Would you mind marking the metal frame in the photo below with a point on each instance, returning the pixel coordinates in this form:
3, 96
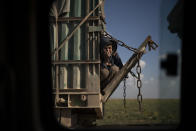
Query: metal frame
91, 64
65, 62
72, 19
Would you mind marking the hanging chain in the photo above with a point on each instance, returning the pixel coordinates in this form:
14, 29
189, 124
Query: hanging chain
124, 93
139, 82
152, 45
121, 43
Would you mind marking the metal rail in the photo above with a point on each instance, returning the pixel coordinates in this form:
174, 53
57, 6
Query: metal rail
72, 19
65, 62
78, 93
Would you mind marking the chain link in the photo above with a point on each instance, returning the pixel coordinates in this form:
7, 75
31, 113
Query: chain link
139, 84
121, 43
124, 93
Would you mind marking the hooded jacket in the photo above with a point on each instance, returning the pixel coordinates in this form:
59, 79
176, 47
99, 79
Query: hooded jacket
114, 59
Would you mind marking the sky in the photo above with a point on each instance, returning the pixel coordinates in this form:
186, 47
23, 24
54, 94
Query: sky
131, 21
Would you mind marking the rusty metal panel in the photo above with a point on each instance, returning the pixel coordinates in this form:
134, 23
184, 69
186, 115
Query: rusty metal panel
93, 100
77, 100
76, 48
78, 60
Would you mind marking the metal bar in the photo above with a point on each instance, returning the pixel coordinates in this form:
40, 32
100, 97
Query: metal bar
78, 93
76, 46
87, 46
77, 27
98, 45
93, 107
57, 67
75, 62
70, 19
71, 90
93, 49
93, 40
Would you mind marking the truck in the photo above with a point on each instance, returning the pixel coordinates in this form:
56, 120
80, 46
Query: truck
75, 30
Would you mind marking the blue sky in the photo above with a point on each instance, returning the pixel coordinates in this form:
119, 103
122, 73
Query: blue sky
131, 21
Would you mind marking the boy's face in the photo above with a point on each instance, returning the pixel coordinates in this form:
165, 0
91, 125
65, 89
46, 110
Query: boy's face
107, 50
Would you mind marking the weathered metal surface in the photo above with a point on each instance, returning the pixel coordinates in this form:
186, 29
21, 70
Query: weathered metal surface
77, 27
81, 93
95, 28
87, 44
65, 62
75, 56
79, 107
72, 19
57, 67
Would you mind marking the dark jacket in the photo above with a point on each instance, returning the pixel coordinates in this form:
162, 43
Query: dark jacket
114, 59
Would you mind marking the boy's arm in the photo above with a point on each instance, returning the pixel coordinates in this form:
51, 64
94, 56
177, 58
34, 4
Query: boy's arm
117, 60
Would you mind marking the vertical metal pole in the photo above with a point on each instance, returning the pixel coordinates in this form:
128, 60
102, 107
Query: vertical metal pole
98, 46
66, 57
64, 51
87, 46
93, 39
76, 45
57, 66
